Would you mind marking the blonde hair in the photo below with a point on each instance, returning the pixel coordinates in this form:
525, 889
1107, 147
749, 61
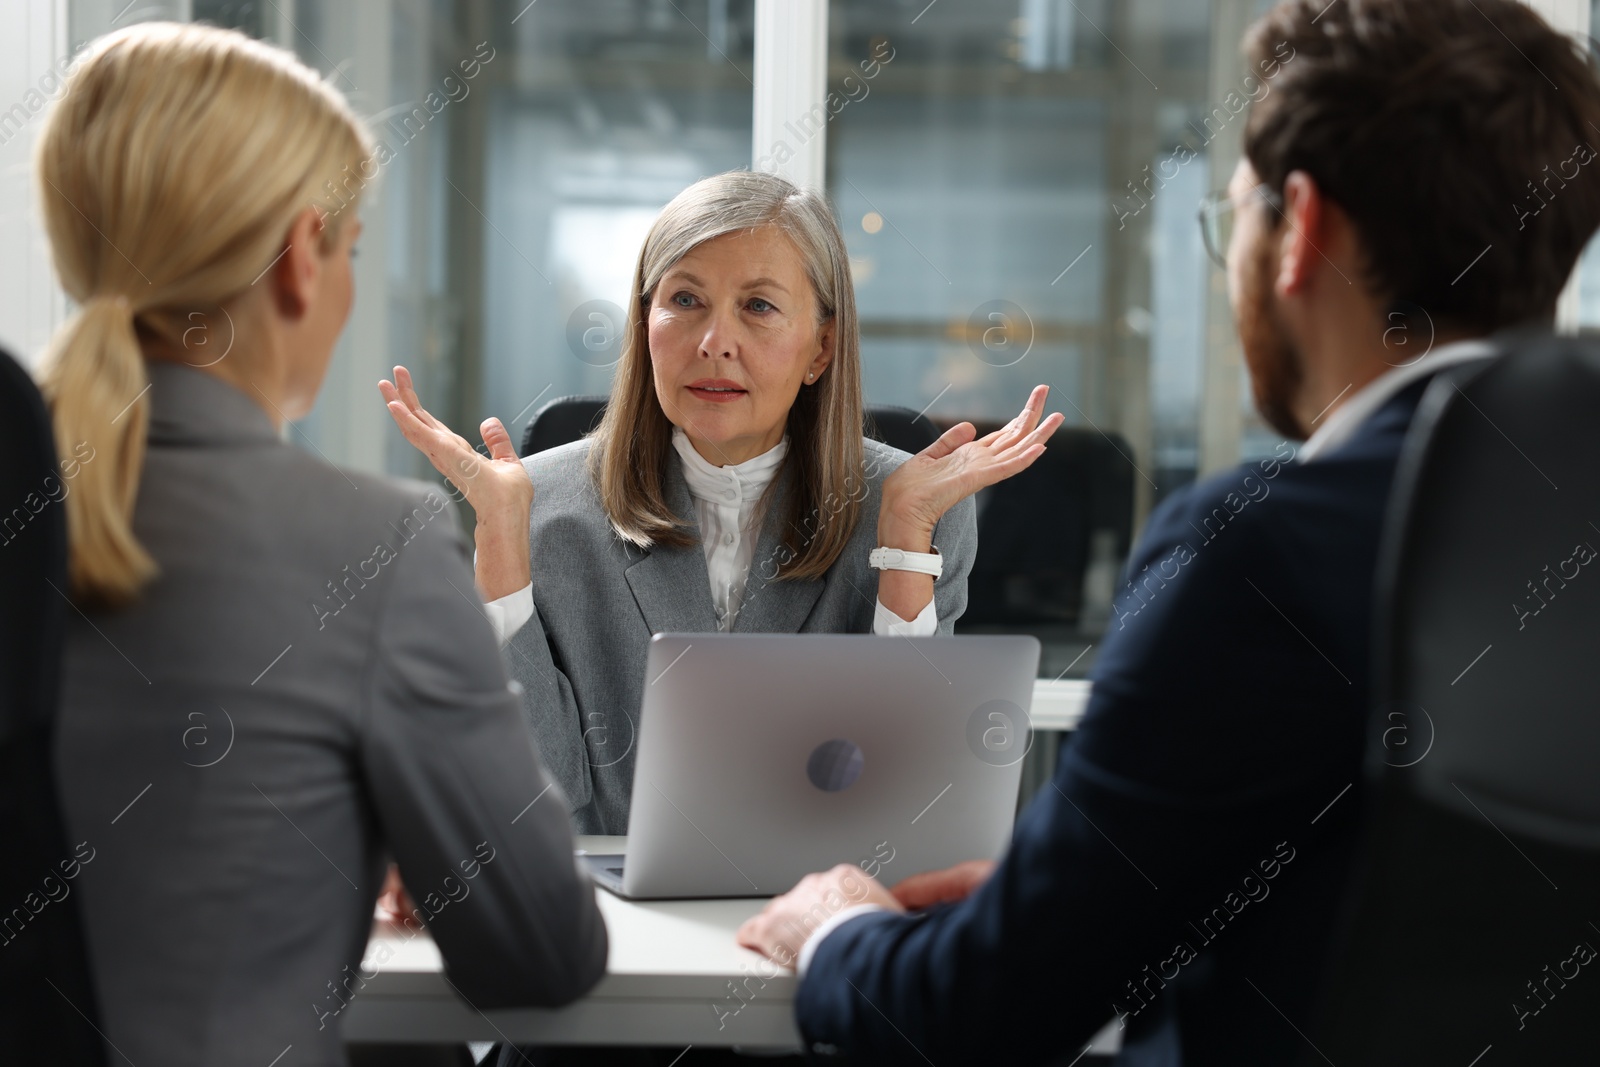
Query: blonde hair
169, 172
633, 443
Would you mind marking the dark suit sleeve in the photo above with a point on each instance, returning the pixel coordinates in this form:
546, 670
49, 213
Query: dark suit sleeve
478, 828
1180, 782
956, 538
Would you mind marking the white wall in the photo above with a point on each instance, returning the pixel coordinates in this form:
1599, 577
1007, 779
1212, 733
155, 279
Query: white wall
33, 42
1569, 16
791, 66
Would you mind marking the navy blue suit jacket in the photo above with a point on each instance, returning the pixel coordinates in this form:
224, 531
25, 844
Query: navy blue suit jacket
1181, 872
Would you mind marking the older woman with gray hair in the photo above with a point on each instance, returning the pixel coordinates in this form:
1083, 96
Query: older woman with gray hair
728, 487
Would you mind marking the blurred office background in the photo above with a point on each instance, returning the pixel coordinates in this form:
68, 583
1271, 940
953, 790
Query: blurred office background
1017, 181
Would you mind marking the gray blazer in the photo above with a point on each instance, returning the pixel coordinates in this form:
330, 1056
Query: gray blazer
597, 601
308, 686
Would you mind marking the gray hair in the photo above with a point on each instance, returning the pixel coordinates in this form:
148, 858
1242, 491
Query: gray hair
633, 441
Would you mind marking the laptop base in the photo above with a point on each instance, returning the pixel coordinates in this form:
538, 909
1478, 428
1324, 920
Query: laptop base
605, 869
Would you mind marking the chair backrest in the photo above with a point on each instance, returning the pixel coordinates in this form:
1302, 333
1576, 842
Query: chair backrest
899, 427
1039, 530
40, 939
561, 421
567, 418
1473, 907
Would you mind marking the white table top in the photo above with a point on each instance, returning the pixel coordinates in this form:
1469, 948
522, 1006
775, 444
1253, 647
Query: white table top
669, 979
674, 976
1059, 704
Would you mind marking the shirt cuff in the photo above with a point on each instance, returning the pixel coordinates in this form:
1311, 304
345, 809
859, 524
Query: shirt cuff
886, 623
832, 923
510, 613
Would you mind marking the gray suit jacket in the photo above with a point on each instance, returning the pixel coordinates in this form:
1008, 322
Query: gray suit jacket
598, 600
309, 685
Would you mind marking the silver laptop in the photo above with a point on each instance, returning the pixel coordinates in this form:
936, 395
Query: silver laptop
764, 757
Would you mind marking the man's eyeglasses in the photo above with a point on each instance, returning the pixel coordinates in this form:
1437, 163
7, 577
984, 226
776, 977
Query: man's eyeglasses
1216, 220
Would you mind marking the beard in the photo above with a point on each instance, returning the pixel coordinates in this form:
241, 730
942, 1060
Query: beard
1275, 366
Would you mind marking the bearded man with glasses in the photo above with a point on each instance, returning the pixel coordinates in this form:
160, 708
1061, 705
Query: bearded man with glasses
1181, 872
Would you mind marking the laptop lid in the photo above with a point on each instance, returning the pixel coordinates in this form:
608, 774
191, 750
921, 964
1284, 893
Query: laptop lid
764, 757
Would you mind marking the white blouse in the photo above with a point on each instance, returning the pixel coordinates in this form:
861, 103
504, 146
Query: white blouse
725, 501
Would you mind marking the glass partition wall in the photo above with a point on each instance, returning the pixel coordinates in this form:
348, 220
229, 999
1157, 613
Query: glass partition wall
1018, 187
1017, 181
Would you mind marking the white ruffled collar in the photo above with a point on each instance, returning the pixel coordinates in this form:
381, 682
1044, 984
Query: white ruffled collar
737, 482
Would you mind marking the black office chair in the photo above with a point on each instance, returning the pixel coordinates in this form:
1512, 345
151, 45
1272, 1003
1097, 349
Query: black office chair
561, 421
47, 1006
900, 428
1480, 872
568, 418
1037, 531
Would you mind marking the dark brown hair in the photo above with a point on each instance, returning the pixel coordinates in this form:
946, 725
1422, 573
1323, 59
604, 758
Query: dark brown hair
1441, 127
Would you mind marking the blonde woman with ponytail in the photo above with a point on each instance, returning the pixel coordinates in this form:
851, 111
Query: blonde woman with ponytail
275, 680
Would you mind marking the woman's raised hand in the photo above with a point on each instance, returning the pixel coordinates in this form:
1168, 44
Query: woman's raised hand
955, 466
496, 485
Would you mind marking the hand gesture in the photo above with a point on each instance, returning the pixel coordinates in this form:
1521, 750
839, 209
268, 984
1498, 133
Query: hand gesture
955, 466
497, 486
491, 483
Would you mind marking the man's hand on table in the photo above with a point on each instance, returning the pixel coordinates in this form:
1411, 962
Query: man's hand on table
784, 925
948, 886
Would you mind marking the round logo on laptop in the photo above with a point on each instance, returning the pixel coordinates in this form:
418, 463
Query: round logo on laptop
999, 733
835, 765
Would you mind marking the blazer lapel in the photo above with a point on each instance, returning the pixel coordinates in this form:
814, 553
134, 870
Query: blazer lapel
671, 585
771, 606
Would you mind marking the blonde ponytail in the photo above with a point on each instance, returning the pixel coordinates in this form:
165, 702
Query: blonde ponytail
96, 383
169, 173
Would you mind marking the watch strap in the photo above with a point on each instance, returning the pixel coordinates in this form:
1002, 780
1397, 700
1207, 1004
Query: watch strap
898, 559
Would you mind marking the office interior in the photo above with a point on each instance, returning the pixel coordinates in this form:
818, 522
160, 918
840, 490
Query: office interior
1017, 188
1016, 181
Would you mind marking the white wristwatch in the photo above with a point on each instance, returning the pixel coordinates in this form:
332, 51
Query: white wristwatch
898, 559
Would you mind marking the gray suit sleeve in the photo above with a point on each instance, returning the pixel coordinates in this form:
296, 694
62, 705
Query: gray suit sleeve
479, 830
551, 710
956, 538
